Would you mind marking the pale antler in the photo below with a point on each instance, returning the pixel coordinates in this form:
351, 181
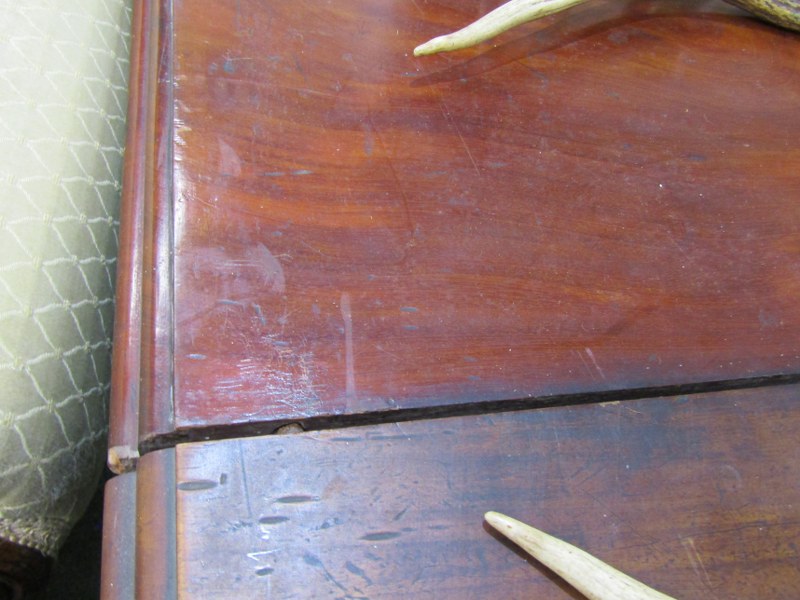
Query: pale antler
592, 577
501, 19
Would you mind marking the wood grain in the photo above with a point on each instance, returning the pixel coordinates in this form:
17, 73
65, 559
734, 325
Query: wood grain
606, 200
696, 496
584, 207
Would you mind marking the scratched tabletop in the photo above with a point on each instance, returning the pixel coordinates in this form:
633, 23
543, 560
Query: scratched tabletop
695, 495
603, 201
556, 276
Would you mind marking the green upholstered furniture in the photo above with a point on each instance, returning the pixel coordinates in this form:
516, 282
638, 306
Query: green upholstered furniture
63, 101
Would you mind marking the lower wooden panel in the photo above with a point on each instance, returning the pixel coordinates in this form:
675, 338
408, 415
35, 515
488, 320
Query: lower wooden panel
155, 526
697, 496
119, 539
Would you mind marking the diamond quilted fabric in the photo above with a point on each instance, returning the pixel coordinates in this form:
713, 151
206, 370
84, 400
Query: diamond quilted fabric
63, 100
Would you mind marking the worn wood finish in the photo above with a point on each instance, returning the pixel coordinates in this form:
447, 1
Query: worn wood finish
696, 496
607, 200
156, 532
118, 572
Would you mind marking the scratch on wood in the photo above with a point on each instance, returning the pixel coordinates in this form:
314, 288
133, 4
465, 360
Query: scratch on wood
381, 536
449, 119
696, 560
315, 562
347, 316
590, 354
358, 571
245, 487
297, 499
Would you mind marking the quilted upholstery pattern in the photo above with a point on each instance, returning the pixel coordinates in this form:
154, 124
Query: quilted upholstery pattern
63, 99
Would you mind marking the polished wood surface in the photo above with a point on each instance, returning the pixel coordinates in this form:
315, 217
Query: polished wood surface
606, 200
694, 495
123, 441
323, 229
158, 286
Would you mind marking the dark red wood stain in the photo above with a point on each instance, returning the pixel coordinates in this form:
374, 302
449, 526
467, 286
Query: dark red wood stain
321, 228
696, 496
601, 201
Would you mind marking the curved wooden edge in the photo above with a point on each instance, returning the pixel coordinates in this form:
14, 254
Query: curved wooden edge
156, 402
155, 527
117, 572
124, 425
142, 365
139, 535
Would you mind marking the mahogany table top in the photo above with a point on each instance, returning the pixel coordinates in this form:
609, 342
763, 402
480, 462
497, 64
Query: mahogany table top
333, 229
443, 268
696, 496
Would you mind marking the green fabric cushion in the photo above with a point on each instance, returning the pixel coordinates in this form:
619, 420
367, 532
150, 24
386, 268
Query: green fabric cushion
63, 101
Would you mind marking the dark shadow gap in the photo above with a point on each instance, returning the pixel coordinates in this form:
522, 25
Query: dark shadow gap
221, 432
